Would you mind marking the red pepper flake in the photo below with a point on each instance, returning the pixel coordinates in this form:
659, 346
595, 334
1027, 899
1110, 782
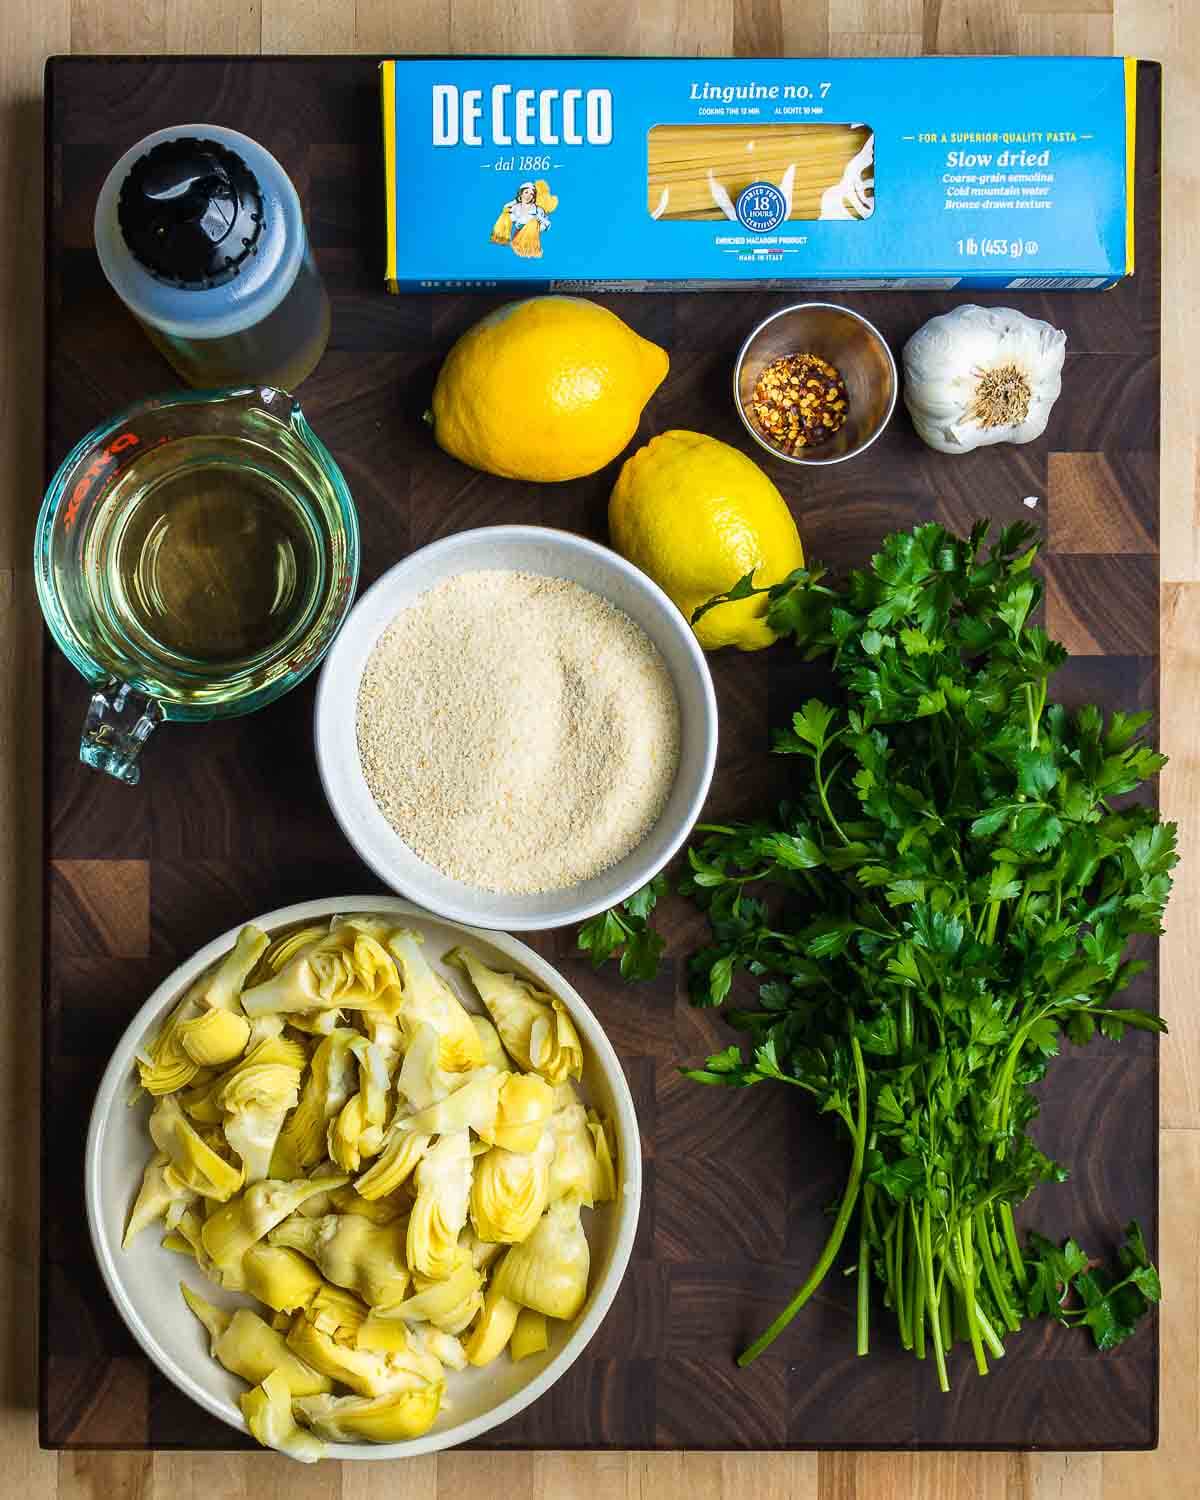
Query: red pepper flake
799, 400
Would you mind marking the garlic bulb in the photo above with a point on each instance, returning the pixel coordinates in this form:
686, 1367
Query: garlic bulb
982, 375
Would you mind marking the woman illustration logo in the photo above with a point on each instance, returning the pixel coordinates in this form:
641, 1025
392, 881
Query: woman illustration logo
522, 220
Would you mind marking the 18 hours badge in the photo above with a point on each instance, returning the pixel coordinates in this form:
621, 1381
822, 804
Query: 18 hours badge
761, 207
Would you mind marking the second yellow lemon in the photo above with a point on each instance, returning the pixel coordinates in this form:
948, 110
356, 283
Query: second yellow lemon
551, 388
697, 515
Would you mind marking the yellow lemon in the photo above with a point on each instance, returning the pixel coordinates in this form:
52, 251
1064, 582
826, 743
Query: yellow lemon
696, 515
552, 388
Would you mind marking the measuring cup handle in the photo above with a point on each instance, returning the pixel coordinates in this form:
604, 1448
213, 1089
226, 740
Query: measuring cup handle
119, 722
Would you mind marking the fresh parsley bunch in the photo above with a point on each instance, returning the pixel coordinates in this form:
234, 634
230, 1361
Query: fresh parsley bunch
952, 889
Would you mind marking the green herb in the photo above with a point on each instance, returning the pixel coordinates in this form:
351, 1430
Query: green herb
1064, 1284
627, 929
950, 893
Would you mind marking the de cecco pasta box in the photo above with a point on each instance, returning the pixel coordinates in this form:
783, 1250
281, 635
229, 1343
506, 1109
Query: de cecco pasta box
658, 174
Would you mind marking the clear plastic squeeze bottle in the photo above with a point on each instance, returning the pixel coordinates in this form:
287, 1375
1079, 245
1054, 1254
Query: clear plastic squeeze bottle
200, 233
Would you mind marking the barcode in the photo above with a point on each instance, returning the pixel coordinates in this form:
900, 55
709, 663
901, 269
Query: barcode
1058, 283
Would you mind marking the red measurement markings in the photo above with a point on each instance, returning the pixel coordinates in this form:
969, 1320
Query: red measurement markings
99, 464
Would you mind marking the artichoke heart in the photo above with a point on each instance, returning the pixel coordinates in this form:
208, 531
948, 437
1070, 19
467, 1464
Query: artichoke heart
510, 1192
482, 1252
255, 1102
402, 1151
382, 1335
358, 1129
494, 1055
268, 1413
530, 1336
229, 1233
365, 1372
221, 988
382, 1210
279, 1277
427, 999
328, 1085
450, 1304
387, 1419
202, 1103
387, 1037
475, 1105
440, 1212
187, 1232
427, 1339
194, 1163
161, 1188
345, 970
315, 1022
549, 1271
389, 1335
601, 1131
164, 1067
288, 944
214, 1037
534, 1025
343, 1136
493, 1329
353, 1253
337, 1312
422, 1079
248, 1347
582, 1162
526, 1103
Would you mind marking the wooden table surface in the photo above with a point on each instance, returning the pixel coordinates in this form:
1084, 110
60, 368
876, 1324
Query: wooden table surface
1168, 30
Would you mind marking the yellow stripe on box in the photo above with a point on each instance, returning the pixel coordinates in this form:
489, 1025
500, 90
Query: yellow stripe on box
1131, 65
388, 92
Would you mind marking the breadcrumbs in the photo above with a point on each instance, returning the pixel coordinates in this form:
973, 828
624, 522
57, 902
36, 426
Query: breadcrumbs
520, 733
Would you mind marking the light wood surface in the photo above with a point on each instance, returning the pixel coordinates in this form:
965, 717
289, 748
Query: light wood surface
1168, 30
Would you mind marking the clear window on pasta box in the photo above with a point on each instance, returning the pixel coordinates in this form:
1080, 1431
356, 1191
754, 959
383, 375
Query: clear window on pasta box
760, 175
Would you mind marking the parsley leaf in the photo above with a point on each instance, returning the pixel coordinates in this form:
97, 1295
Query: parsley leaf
626, 930
1066, 1285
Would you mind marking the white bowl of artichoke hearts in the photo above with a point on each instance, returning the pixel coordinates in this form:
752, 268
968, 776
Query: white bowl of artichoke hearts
361, 1181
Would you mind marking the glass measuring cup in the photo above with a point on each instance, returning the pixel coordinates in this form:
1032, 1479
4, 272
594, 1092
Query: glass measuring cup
195, 557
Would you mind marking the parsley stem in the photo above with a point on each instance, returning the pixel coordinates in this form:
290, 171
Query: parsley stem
966, 1260
932, 1300
983, 1233
906, 1025
822, 784
945, 1312
834, 1243
1012, 1245
899, 1288
863, 1306
916, 1299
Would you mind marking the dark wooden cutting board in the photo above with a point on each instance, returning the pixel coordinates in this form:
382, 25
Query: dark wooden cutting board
230, 821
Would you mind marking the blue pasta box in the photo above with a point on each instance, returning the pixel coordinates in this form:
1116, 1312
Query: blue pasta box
608, 174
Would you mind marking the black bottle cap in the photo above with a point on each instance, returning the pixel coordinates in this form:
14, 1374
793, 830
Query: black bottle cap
191, 212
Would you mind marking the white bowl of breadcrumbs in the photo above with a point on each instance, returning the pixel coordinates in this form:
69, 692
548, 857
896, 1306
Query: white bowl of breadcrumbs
516, 728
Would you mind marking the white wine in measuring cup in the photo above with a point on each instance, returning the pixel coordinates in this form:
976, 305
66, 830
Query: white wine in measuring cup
195, 558
199, 558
